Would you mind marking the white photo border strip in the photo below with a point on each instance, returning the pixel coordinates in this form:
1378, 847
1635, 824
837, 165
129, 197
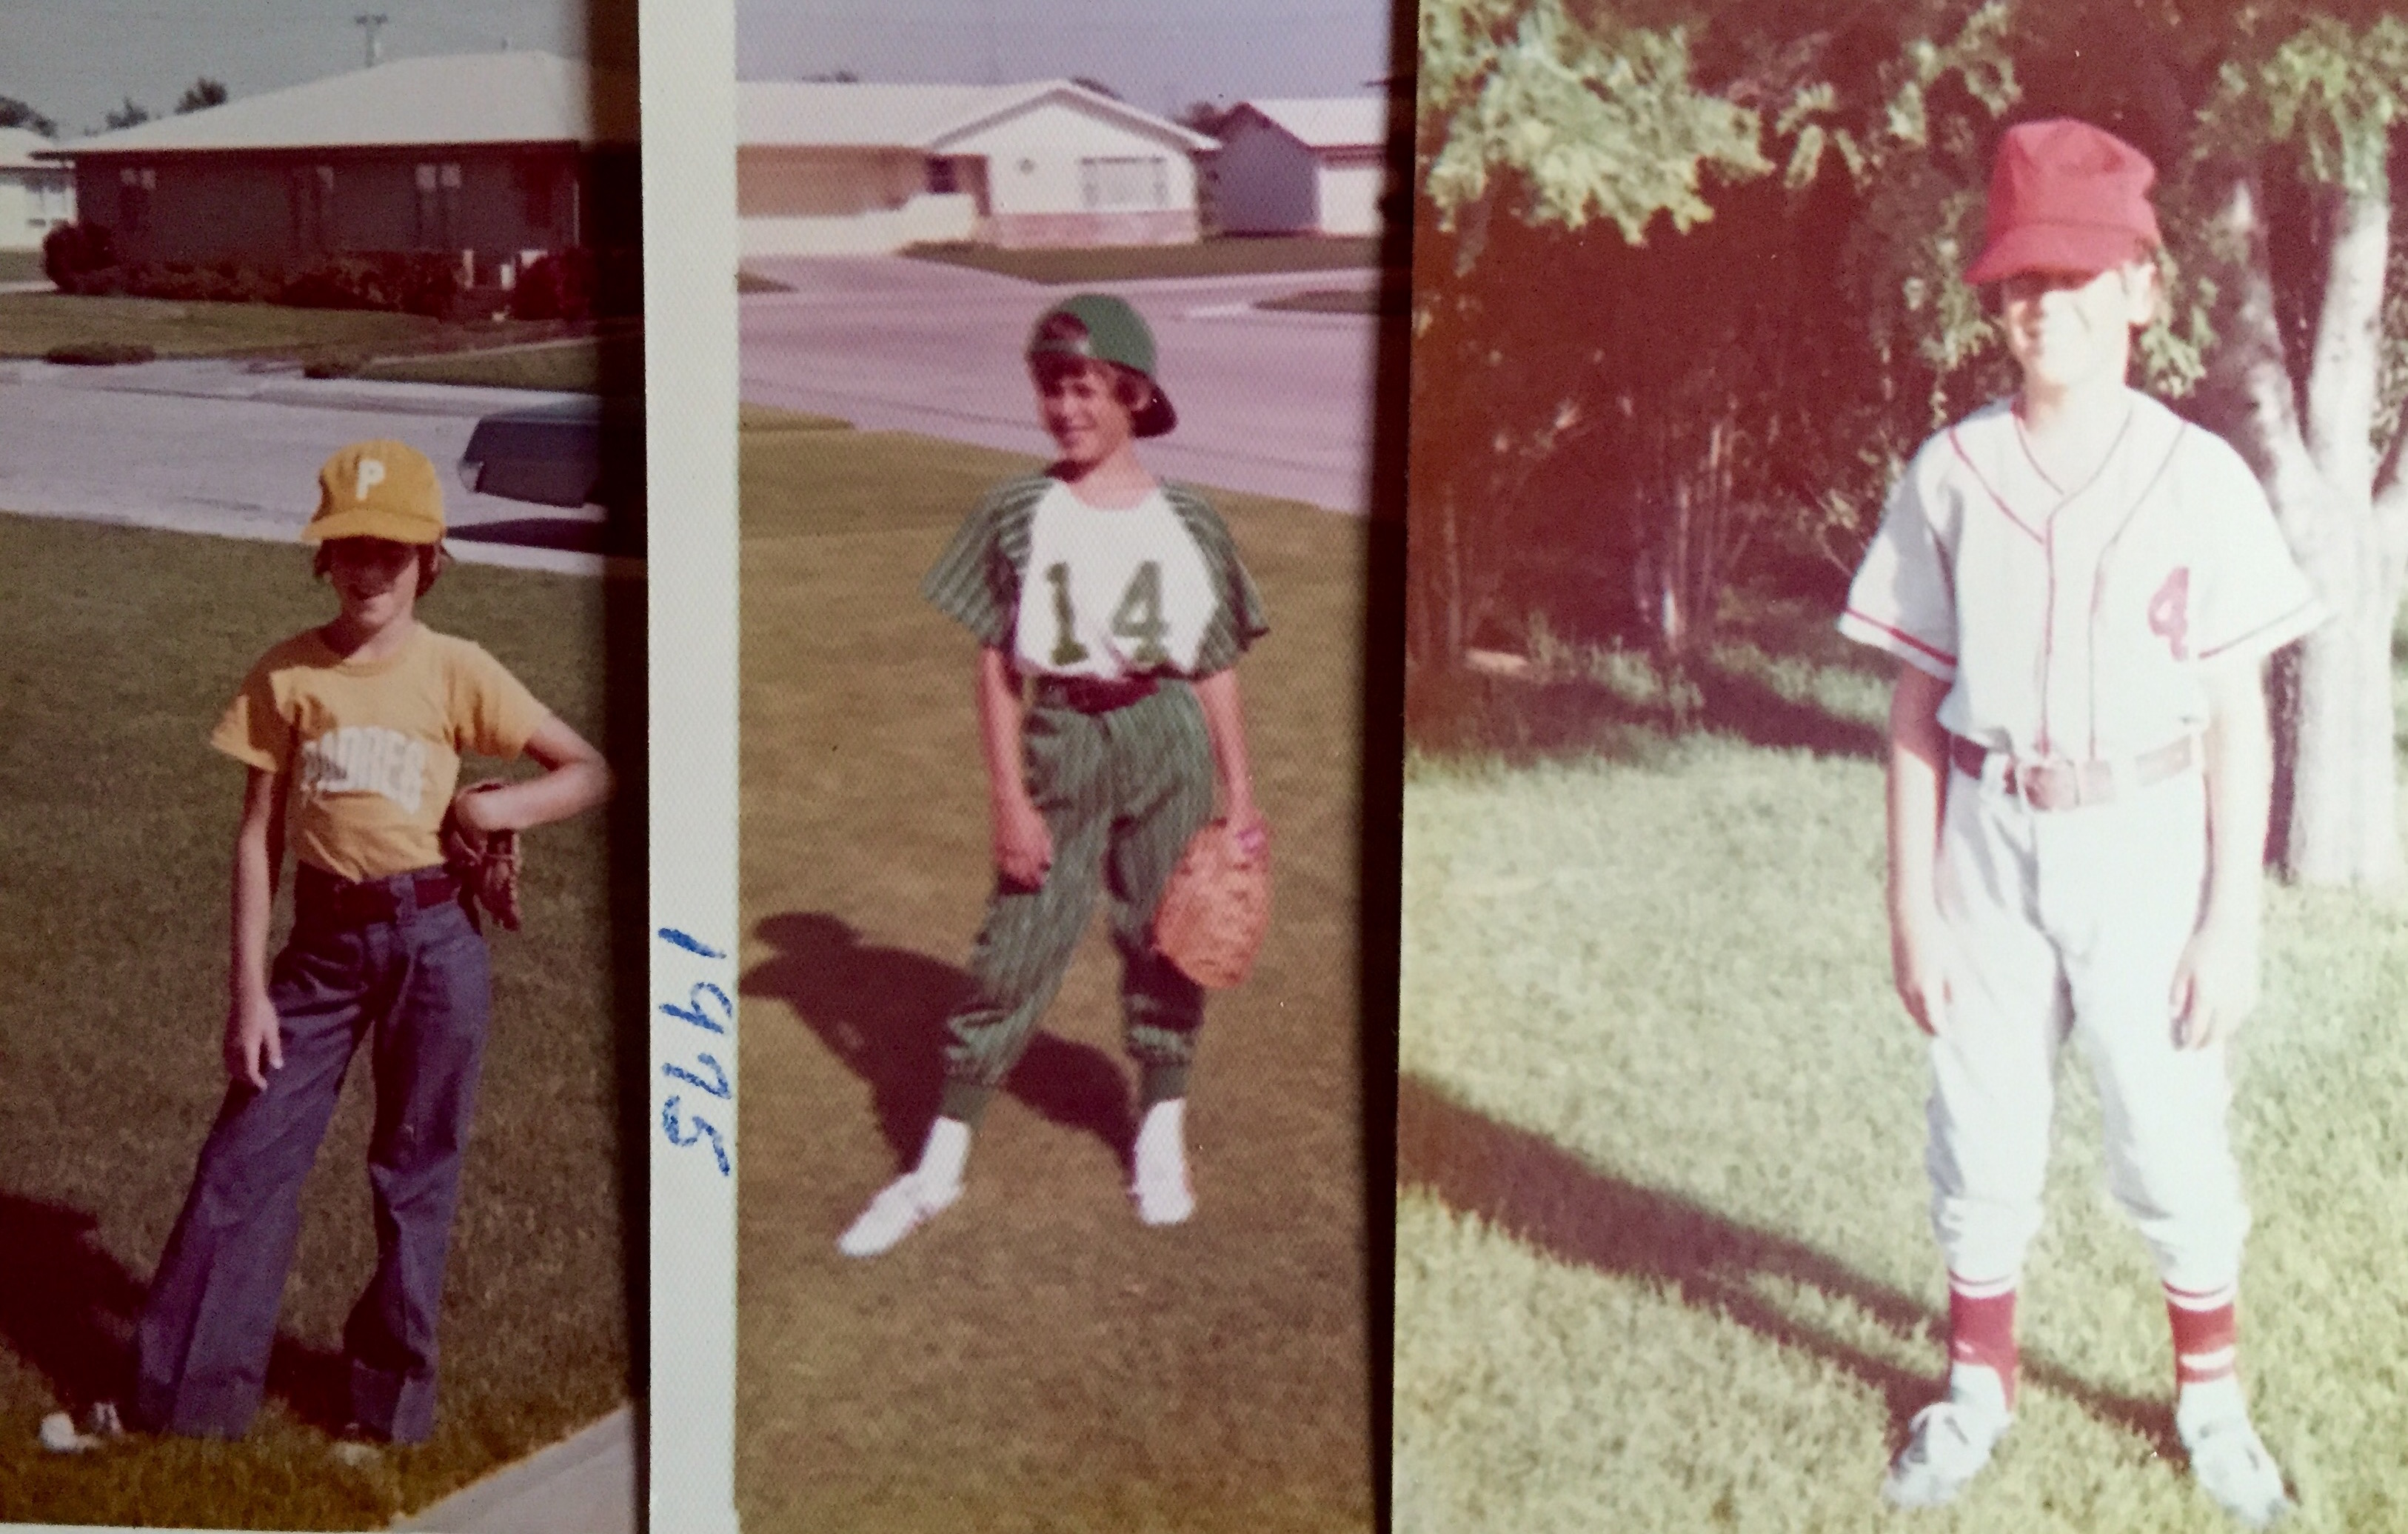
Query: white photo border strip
688, 59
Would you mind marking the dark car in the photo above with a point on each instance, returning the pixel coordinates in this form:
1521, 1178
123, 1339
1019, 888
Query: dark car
578, 453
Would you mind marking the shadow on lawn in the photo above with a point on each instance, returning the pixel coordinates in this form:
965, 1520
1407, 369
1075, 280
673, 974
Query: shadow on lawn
1535, 1191
68, 1308
882, 1011
1523, 719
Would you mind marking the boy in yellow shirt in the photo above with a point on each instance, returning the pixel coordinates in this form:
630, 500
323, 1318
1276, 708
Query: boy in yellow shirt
352, 733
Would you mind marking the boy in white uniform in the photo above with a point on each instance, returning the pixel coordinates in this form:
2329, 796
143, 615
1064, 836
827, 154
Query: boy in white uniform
2081, 588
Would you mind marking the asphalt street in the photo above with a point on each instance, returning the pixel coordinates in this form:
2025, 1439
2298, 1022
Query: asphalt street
1275, 404
225, 447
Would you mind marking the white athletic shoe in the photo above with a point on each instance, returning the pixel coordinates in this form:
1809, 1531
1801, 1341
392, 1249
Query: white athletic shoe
2231, 1465
1946, 1446
1160, 1187
902, 1206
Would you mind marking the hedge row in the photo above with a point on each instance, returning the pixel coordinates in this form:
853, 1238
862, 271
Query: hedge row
573, 284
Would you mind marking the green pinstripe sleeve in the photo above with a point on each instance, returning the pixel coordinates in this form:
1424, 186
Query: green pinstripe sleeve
1239, 620
976, 581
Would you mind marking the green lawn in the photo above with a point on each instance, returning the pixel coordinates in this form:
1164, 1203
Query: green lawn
613, 364
331, 340
118, 648
1226, 256
1036, 1360
1662, 1244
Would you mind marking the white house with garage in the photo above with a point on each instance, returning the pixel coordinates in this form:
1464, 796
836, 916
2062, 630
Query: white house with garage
1302, 166
36, 196
830, 169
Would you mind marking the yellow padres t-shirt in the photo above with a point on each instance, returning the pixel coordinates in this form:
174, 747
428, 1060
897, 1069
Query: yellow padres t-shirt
373, 748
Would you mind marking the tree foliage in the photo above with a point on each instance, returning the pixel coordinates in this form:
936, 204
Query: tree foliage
202, 94
17, 114
129, 115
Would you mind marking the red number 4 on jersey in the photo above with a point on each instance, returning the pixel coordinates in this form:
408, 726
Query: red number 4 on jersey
2170, 612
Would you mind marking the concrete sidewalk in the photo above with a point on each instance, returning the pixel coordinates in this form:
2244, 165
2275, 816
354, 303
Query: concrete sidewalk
583, 1484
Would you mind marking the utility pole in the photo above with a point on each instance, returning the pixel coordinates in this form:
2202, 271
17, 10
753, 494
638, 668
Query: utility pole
371, 25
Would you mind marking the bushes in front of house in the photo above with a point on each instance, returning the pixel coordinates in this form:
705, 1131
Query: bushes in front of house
577, 283
401, 282
580, 283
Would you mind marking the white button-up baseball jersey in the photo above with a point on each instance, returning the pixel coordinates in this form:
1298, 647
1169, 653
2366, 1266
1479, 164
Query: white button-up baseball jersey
2074, 623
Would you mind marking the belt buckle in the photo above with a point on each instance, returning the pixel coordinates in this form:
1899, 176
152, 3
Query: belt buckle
2041, 785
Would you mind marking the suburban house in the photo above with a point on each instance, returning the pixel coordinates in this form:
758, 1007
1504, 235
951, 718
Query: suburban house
36, 196
494, 157
825, 169
1302, 166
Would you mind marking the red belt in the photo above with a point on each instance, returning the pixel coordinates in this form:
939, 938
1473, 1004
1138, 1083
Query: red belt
321, 896
2071, 785
1094, 694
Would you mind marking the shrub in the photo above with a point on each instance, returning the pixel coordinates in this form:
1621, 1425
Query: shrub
99, 354
403, 282
580, 283
72, 250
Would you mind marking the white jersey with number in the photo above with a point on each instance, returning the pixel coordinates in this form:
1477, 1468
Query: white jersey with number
2073, 621
1111, 592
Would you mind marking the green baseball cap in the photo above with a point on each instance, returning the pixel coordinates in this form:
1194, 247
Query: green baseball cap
1102, 328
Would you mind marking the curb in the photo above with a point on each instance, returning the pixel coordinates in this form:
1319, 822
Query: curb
583, 1484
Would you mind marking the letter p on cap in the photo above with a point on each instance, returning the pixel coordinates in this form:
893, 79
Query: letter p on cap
372, 474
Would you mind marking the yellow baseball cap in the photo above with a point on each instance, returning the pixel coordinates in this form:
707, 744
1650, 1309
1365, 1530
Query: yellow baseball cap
378, 489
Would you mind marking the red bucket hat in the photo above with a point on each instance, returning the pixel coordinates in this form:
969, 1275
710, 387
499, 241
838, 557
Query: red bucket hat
2065, 197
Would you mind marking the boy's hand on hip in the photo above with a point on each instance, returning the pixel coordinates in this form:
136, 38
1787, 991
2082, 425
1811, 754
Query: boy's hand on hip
1919, 968
2215, 984
1023, 847
254, 1041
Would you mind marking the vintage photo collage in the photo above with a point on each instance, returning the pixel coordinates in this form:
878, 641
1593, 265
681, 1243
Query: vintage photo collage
1034, 766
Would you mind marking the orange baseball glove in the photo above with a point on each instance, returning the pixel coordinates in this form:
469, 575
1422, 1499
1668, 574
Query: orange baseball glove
1214, 910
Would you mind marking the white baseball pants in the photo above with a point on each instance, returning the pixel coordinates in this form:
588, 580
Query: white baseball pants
2072, 922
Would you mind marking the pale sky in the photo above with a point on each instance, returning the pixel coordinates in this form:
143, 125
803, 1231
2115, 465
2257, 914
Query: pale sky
1159, 54
76, 60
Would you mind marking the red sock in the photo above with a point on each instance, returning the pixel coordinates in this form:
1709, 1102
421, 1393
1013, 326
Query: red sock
1981, 1327
2207, 1333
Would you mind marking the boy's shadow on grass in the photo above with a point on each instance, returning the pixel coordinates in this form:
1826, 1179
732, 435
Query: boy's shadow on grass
882, 1011
68, 1309
1533, 1189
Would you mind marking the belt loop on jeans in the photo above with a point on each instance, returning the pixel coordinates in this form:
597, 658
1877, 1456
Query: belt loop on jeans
2066, 785
1094, 694
334, 901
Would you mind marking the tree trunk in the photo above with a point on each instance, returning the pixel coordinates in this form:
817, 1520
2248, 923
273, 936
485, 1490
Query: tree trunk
2334, 729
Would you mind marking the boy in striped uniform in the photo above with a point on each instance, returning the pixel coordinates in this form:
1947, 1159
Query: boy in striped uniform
1124, 602
2081, 588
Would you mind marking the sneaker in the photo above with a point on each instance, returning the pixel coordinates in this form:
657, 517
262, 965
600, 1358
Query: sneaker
60, 1434
1160, 1187
2231, 1465
902, 1206
1946, 1446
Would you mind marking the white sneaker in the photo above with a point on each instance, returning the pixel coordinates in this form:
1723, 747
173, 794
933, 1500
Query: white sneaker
2231, 1465
1946, 1446
902, 1206
1160, 1187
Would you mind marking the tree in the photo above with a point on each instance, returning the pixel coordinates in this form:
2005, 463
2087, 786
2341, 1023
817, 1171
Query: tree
16, 114
1204, 117
129, 115
202, 94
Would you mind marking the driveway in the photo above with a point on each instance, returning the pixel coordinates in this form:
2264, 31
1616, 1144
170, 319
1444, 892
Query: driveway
223, 447
1275, 404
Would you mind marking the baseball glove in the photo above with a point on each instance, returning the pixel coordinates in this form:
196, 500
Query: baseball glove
1214, 910
486, 863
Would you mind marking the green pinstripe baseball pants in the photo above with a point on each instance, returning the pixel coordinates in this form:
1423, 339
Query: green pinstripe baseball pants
1122, 793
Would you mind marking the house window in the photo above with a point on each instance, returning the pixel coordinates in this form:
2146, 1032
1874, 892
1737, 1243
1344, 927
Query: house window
134, 185
309, 190
944, 179
538, 185
1123, 182
438, 206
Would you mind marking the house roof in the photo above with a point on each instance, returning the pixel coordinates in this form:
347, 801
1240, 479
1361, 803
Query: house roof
1327, 122
459, 98
812, 114
16, 147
